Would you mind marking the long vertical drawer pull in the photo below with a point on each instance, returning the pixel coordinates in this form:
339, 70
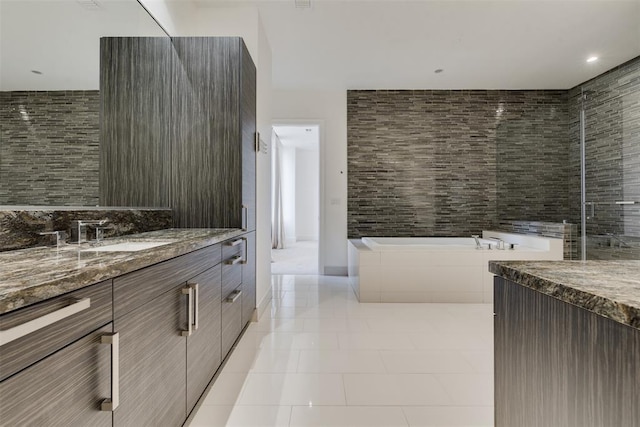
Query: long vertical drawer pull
245, 217
233, 296
196, 296
26, 328
246, 251
114, 341
235, 242
188, 291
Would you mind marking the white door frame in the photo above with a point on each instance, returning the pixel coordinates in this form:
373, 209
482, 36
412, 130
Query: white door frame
321, 204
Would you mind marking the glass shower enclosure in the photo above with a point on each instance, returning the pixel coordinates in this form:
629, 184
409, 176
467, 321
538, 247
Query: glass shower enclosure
609, 136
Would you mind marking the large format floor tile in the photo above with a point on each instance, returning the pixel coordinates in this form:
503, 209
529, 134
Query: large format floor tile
318, 357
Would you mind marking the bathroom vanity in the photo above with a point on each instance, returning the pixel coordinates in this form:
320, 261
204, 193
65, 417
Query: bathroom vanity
92, 336
567, 343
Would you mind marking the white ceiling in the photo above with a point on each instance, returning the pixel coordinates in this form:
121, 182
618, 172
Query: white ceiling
350, 44
61, 39
480, 44
302, 137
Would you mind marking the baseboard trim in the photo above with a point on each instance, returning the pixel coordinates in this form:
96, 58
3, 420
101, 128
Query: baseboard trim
335, 271
264, 304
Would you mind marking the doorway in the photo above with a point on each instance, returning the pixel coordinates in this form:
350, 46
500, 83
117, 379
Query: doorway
296, 198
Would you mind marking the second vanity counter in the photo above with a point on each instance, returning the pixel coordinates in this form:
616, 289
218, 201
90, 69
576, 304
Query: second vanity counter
32, 275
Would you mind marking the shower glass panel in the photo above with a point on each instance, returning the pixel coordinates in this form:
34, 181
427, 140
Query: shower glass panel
610, 143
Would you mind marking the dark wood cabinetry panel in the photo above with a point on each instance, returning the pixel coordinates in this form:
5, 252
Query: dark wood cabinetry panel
557, 364
22, 352
231, 320
249, 279
63, 389
248, 88
136, 288
206, 158
135, 120
204, 345
153, 362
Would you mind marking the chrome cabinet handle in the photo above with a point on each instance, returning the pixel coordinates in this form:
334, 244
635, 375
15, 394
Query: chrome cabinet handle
114, 340
26, 328
235, 242
245, 217
196, 298
626, 202
235, 260
246, 251
188, 291
233, 296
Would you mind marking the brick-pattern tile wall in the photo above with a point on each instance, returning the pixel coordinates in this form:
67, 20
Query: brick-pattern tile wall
49, 148
612, 124
451, 163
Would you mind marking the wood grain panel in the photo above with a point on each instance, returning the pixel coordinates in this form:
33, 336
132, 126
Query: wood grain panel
206, 159
24, 351
248, 88
231, 278
204, 345
134, 289
560, 365
135, 103
153, 363
249, 279
64, 389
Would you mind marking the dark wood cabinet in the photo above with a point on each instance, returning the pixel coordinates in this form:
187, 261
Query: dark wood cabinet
65, 388
557, 364
249, 279
249, 137
204, 352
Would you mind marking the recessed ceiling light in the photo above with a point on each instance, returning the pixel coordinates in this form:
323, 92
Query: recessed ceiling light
438, 71
592, 59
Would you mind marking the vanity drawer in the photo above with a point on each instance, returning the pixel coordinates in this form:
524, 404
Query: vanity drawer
139, 287
231, 318
55, 323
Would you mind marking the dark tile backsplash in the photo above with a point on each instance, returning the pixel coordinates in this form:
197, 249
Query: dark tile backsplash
49, 148
452, 163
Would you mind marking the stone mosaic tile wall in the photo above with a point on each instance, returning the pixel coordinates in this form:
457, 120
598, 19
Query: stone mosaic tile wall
20, 227
49, 148
612, 113
451, 163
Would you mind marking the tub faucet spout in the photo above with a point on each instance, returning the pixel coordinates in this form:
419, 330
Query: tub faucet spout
478, 245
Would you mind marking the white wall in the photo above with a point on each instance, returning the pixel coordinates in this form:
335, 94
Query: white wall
307, 193
288, 183
331, 108
187, 19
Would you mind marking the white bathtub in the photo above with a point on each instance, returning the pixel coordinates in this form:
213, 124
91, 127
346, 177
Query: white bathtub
436, 269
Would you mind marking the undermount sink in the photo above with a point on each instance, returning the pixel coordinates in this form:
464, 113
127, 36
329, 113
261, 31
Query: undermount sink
126, 247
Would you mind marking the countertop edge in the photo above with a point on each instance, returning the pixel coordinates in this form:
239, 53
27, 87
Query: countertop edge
617, 311
20, 298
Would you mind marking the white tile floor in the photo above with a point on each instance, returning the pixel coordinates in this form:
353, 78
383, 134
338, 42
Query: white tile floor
320, 358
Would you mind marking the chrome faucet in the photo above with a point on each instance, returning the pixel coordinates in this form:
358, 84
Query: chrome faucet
478, 245
499, 243
79, 229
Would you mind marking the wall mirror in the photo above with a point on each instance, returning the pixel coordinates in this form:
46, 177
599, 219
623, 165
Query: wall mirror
49, 95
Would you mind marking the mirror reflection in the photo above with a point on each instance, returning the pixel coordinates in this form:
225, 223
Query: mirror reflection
49, 95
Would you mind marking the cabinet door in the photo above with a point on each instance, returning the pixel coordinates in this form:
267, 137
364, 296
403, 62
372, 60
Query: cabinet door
153, 362
63, 389
248, 130
204, 346
249, 279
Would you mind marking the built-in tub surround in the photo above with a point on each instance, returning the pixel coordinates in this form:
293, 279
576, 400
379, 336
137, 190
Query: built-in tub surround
50, 147
558, 230
32, 275
437, 269
20, 226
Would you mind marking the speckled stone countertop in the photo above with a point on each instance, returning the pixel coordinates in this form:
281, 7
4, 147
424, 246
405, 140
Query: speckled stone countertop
608, 288
32, 275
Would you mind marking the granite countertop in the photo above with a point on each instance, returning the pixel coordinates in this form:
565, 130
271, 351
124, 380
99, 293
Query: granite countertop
608, 288
32, 275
